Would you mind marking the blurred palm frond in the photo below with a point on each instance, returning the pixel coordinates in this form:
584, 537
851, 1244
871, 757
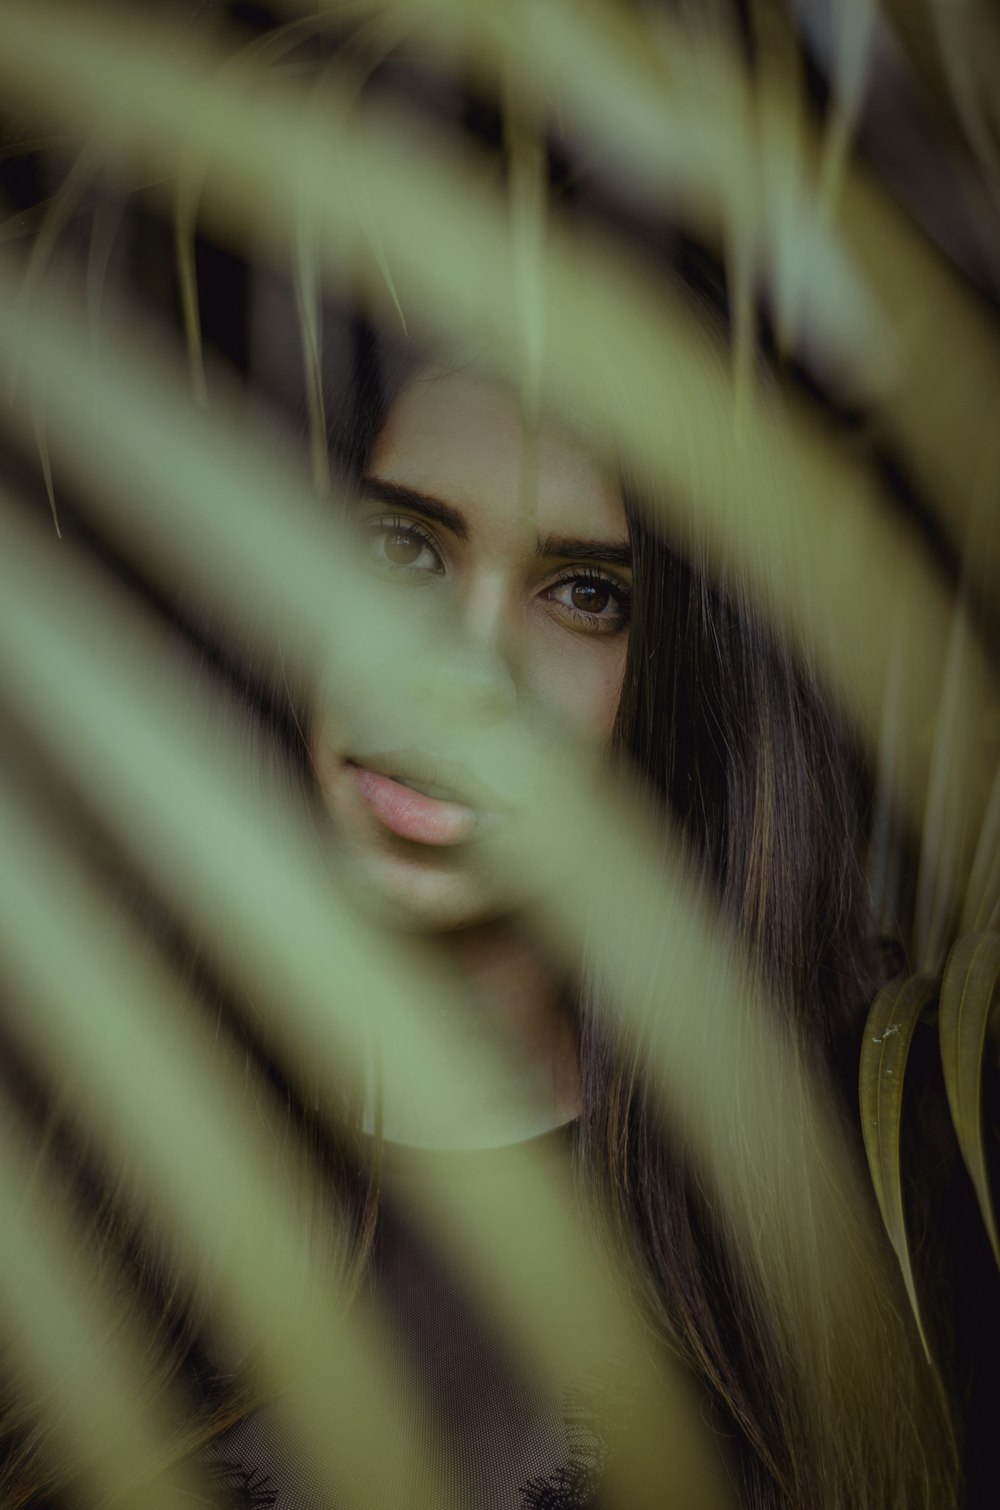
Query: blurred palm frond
190, 486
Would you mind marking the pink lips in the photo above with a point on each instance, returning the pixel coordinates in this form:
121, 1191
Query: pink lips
412, 815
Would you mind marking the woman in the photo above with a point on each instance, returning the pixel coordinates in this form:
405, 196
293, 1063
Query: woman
599, 623
584, 612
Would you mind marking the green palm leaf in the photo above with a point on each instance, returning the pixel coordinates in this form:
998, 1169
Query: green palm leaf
66, 1341
968, 1005
889, 1032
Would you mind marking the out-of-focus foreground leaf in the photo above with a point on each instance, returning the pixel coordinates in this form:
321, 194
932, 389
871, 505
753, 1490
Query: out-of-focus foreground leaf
65, 1337
769, 501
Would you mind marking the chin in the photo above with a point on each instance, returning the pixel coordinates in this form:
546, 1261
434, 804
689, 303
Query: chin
421, 893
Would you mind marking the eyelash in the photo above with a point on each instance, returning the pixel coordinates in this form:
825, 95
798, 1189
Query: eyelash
594, 623
619, 593
381, 528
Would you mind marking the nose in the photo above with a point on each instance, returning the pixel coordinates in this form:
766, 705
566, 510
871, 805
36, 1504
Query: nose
487, 656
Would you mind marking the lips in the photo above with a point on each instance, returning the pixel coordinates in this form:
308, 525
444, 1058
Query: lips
412, 806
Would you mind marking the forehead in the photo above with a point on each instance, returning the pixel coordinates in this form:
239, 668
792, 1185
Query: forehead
459, 436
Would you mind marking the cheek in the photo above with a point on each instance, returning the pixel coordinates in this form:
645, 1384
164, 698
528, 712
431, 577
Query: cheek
324, 757
574, 679
579, 682
332, 738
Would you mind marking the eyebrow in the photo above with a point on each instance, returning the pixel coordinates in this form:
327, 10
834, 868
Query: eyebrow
615, 552
423, 503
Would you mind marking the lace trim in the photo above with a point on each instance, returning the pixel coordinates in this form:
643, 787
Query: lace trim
245, 1488
595, 1411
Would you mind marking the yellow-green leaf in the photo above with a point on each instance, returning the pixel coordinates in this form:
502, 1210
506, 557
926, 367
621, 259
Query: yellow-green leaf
968, 993
889, 1031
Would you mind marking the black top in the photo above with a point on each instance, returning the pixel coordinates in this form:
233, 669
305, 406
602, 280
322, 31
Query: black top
516, 1448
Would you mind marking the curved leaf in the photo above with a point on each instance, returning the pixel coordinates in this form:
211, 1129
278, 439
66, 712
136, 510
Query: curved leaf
889, 1031
968, 992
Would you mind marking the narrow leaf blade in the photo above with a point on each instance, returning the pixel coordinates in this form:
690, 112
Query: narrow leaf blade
889, 1031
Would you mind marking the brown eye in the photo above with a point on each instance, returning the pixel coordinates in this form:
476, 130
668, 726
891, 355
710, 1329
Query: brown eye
405, 548
592, 602
590, 597
402, 548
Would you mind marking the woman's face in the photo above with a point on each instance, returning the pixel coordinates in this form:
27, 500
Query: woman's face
540, 616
